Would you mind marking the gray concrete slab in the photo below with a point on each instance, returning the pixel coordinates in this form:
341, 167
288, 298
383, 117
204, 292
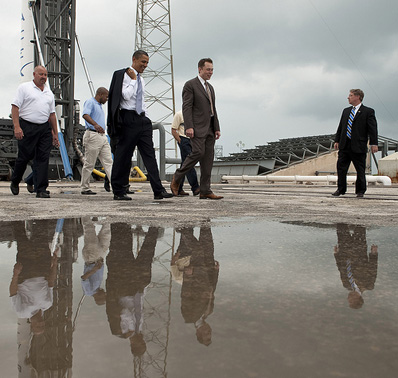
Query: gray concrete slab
307, 203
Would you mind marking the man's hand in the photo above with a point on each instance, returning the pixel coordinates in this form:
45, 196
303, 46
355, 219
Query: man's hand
17, 269
55, 140
176, 136
189, 133
132, 74
374, 149
217, 135
99, 129
336, 146
18, 132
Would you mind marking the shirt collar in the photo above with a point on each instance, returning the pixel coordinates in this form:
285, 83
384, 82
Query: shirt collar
201, 80
134, 70
36, 87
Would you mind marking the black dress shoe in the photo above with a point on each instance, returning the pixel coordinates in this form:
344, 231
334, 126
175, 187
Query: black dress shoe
359, 195
30, 188
88, 192
337, 193
162, 195
129, 191
107, 185
42, 195
122, 197
196, 192
14, 188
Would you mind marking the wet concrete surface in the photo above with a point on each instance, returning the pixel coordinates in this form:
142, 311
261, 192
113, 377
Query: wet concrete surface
272, 281
282, 202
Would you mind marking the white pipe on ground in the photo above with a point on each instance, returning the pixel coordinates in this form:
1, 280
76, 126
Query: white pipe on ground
384, 180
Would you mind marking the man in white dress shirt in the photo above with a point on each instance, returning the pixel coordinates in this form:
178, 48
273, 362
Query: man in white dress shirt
128, 122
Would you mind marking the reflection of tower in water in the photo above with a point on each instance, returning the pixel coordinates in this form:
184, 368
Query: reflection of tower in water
138, 295
156, 314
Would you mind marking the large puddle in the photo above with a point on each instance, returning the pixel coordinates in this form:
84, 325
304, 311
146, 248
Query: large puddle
91, 298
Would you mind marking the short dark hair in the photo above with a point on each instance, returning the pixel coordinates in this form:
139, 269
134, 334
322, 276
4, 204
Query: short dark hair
203, 61
358, 92
101, 90
139, 53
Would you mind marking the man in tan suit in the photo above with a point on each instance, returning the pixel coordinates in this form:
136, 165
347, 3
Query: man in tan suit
201, 126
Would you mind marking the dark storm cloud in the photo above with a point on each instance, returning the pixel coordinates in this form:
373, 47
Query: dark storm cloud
283, 68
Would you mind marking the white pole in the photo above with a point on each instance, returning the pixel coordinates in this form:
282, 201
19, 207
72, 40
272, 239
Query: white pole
27, 47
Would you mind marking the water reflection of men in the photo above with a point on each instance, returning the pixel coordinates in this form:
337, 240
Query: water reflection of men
128, 277
94, 250
200, 278
358, 270
31, 288
31, 292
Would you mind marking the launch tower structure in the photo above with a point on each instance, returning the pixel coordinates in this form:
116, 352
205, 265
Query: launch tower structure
153, 35
55, 21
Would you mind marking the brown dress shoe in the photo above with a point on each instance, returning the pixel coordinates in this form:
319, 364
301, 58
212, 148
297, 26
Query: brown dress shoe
181, 193
210, 196
174, 187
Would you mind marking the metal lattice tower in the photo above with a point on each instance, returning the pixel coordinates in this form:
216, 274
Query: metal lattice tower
56, 29
55, 20
157, 315
153, 35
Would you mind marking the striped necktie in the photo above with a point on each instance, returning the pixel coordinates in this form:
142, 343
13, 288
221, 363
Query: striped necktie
138, 101
350, 120
351, 278
211, 101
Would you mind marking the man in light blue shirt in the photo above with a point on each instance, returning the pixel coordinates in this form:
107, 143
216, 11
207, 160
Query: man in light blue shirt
95, 142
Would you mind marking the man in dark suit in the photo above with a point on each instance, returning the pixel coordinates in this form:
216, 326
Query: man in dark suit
201, 126
128, 122
357, 126
358, 270
199, 282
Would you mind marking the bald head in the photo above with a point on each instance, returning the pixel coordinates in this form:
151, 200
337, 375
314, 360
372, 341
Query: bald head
102, 95
40, 76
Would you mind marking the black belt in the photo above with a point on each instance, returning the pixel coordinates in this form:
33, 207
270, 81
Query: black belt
95, 131
142, 114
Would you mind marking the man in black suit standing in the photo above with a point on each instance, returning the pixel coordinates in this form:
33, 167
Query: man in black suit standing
128, 122
201, 126
357, 126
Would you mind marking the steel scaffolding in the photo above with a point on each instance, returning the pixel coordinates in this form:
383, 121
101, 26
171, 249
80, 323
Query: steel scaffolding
153, 35
56, 31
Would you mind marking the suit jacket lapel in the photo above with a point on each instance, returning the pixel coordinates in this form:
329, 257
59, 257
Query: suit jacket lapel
358, 113
198, 82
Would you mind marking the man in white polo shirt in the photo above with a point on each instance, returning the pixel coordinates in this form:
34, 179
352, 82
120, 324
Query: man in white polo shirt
35, 127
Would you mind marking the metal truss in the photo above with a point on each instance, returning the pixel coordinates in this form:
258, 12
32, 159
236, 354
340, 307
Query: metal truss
56, 32
153, 35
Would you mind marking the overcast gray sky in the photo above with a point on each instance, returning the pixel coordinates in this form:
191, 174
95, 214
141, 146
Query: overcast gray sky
282, 68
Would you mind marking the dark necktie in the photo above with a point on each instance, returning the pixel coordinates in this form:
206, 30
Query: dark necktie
350, 120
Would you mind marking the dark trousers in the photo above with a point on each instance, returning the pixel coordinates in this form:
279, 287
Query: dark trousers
185, 150
36, 144
136, 131
345, 157
202, 152
31, 178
